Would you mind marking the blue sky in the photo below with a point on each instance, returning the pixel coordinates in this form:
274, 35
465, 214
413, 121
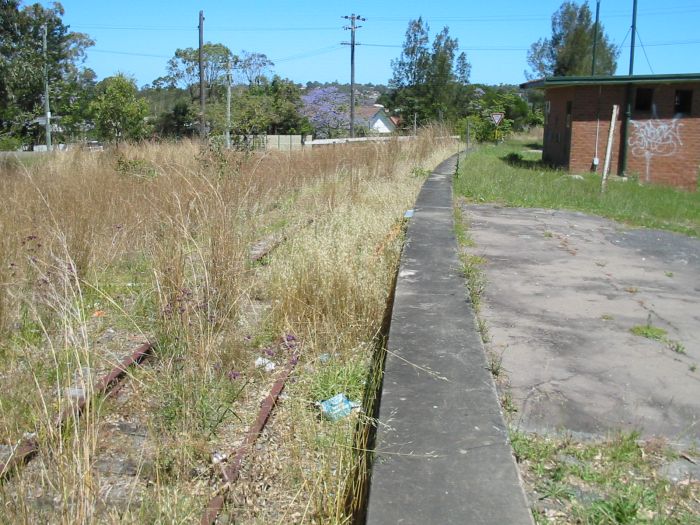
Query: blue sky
303, 38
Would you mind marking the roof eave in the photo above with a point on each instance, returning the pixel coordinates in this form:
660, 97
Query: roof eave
552, 82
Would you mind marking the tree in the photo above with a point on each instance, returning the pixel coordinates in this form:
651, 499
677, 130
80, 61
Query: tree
265, 107
569, 52
427, 79
179, 122
183, 68
411, 68
442, 78
463, 69
286, 108
22, 63
255, 67
328, 111
119, 115
71, 100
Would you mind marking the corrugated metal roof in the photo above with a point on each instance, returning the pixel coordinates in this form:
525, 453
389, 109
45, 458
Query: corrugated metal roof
553, 82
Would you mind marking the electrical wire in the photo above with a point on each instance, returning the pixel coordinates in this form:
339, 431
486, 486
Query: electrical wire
298, 56
111, 52
625, 39
671, 10
209, 28
308, 54
645, 52
520, 48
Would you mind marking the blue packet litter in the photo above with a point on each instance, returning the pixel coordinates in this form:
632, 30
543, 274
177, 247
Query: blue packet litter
337, 407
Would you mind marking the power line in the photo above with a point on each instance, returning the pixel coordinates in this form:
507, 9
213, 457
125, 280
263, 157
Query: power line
308, 54
290, 58
212, 28
521, 48
111, 52
315, 52
672, 10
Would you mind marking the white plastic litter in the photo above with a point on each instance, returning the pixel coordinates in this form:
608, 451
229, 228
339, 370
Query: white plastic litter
264, 362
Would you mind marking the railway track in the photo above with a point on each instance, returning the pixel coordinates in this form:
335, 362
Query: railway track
230, 471
121, 438
28, 447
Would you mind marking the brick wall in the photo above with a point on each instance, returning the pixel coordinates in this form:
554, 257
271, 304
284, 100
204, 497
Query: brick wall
663, 148
591, 125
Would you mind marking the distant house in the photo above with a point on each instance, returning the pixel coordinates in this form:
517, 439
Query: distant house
375, 119
659, 142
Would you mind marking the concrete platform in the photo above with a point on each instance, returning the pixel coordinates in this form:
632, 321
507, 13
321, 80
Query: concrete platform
564, 291
442, 451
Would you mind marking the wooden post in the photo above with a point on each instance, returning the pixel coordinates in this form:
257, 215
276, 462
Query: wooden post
608, 149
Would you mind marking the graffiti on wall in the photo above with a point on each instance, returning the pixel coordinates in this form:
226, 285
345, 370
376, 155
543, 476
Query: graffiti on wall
655, 138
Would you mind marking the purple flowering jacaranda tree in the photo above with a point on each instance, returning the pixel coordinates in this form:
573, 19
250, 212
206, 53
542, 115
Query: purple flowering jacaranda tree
328, 111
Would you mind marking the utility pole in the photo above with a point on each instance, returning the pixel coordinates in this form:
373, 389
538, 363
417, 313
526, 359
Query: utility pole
202, 121
47, 108
228, 104
628, 98
634, 34
352, 27
595, 35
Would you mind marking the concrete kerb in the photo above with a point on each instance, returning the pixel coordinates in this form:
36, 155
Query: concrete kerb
442, 453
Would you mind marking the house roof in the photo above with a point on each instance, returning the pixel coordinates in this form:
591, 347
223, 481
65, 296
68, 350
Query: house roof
368, 111
553, 82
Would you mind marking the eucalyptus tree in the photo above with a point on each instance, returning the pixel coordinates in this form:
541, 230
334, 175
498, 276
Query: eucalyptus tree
569, 51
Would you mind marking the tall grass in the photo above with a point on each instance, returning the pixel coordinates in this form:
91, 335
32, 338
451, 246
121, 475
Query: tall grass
512, 174
102, 250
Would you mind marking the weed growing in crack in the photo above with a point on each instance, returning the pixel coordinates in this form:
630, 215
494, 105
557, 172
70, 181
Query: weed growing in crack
649, 332
658, 334
495, 364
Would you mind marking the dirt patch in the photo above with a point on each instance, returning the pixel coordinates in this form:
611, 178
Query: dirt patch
564, 290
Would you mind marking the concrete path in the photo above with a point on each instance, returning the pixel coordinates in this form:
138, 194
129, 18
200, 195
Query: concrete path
563, 291
442, 452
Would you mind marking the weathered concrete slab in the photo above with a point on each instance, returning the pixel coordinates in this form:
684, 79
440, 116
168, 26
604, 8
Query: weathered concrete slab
564, 289
442, 451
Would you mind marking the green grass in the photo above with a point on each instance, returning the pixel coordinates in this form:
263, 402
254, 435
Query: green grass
610, 481
508, 174
334, 377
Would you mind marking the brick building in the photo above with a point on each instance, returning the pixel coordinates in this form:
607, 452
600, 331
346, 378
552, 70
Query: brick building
663, 131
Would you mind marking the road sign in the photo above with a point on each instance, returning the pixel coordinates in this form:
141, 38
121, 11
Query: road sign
497, 118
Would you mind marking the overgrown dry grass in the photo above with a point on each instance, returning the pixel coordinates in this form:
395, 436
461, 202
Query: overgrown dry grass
99, 251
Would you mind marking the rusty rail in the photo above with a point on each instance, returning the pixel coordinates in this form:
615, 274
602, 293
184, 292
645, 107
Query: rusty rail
231, 471
262, 248
28, 447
